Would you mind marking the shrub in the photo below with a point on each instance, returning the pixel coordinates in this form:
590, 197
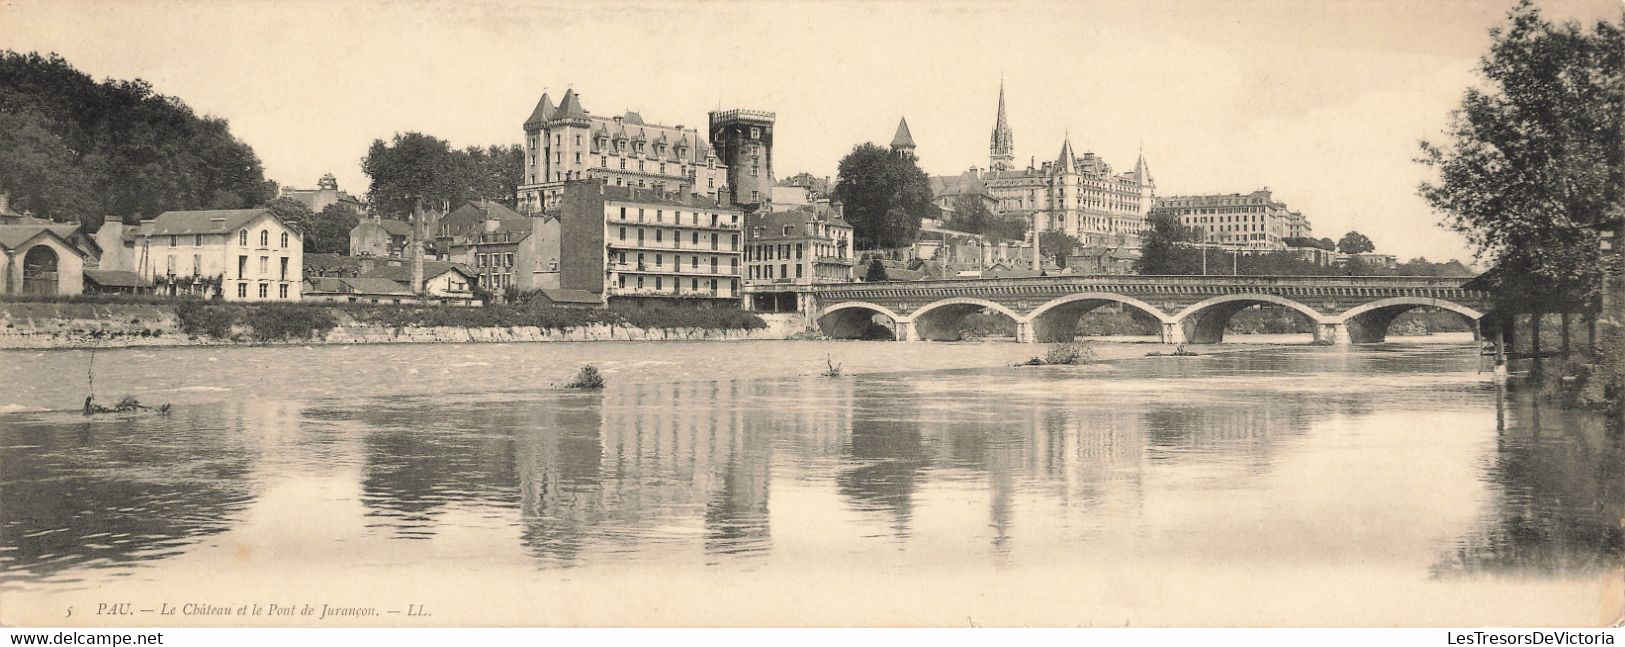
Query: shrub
286, 321
197, 318
1072, 352
586, 378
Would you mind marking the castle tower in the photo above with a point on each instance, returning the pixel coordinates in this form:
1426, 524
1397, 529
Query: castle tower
902, 144
743, 140
1002, 146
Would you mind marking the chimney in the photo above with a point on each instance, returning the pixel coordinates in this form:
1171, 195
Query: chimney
417, 247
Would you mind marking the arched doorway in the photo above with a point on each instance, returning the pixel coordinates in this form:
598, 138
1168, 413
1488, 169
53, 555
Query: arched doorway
40, 270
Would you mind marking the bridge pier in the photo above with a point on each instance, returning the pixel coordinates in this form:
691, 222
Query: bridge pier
1024, 333
1173, 333
907, 330
1332, 334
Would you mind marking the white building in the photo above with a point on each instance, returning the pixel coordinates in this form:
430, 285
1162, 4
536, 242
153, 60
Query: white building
237, 254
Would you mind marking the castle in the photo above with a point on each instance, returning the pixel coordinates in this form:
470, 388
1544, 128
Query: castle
1077, 194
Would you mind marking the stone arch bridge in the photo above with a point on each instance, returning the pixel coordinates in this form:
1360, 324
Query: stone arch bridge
1190, 309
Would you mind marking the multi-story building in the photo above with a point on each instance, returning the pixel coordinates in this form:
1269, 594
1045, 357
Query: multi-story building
816, 187
237, 254
805, 245
521, 252
381, 237
1251, 221
743, 140
1077, 194
632, 245
325, 194
567, 143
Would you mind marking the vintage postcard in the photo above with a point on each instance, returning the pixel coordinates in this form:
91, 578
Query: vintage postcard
835, 314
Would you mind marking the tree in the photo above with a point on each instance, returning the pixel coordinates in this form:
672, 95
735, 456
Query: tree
1057, 245
414, 170
415, 167
1010, 229
1165, 249
972, 216
330, 231
75, 149
876, 272
1354, 243
292, 212
885, 196
1533, 156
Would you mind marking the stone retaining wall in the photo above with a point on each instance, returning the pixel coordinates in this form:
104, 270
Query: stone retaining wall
86, 325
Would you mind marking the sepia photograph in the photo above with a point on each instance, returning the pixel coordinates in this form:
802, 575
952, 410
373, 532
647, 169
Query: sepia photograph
1104, 314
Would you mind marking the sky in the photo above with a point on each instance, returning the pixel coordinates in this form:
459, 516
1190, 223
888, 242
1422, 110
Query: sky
1322, 101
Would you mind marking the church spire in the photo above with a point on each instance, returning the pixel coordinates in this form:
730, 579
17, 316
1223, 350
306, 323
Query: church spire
1001, 147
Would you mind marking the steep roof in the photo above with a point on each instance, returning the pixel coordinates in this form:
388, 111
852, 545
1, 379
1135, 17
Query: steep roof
14, 236
358, 285
956, 185
403, 273
570, 107
903, 138
544, 109
1067, 162
204, 222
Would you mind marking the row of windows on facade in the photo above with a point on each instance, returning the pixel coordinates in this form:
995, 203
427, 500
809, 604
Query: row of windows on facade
639, 282
621, 144
242, 266
565, 176
677, 262
677, 238
265, 293
242, 239
677, 217
782, 251
1221, 219
766, 271
1212, 211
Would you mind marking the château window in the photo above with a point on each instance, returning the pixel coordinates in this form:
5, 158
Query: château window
265, 238
242, 238
284, 240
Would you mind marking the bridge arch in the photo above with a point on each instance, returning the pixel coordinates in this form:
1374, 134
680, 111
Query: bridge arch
1368, 323
1203, 322
855, 320
941, 320
1057, 319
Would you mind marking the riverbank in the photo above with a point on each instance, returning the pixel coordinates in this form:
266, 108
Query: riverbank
45, 325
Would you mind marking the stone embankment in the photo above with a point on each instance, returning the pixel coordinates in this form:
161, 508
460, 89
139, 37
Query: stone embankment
117, 325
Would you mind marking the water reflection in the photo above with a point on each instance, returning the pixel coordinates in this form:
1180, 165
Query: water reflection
1560, 496
109, 493
1271, 456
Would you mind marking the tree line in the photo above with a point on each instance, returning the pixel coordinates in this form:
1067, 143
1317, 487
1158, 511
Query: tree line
74, 149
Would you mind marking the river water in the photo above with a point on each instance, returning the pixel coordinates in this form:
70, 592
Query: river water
727, 483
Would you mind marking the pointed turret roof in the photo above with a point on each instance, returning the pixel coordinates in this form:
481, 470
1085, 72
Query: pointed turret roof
1067, 162
544, 110
570, 107
903, 139
1142, 174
